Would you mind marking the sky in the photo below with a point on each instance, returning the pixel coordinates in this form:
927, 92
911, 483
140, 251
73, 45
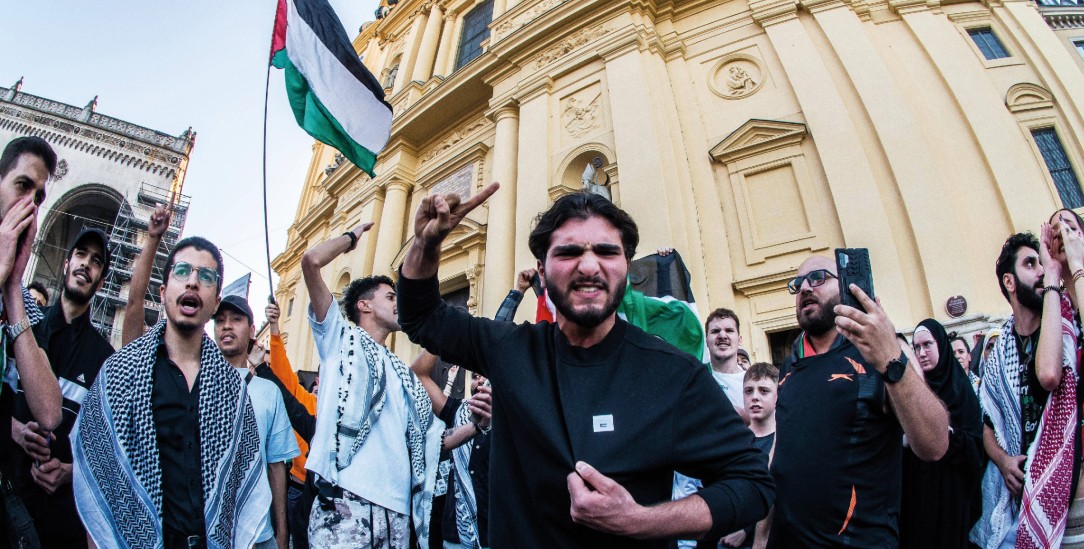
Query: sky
171, 65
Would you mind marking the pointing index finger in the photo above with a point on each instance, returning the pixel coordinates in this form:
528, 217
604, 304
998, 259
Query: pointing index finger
476, 200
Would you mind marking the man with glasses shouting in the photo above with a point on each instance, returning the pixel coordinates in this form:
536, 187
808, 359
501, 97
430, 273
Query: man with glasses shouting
847, 394
167, 447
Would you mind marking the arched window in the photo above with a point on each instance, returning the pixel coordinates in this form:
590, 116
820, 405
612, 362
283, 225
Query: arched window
475, 30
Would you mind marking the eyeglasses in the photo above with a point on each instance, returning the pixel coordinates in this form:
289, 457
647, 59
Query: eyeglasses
182, 272
815, 278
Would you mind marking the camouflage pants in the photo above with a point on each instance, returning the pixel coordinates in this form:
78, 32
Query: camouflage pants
357, 522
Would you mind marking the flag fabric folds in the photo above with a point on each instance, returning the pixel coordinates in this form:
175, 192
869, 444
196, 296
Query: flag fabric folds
334, 97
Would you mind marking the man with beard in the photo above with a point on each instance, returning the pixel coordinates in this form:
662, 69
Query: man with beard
591, 415
845, 392
76, 351
377, 443
1011, 393
167, 444
233, 334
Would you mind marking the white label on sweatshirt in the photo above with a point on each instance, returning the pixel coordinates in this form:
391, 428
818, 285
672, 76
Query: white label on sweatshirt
604, 423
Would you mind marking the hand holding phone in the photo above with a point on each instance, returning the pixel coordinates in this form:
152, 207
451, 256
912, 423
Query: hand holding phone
853, 267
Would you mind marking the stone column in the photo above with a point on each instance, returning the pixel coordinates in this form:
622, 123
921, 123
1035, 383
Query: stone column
423, 67
499, 7
410, 53
444, 50
863, 218
457, 28
389, 239
501, 226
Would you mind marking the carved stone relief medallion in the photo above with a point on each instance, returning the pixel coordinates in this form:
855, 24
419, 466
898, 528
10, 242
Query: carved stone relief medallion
737, 76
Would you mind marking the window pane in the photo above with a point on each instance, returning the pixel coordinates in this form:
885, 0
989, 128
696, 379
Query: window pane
988, 43
1080, 47
475, 30
1061, 171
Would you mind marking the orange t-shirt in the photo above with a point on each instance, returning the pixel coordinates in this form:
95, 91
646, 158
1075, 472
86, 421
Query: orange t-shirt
280, 366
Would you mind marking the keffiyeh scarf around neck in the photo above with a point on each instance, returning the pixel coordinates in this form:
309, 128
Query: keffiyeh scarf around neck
117, 476
1050, 462
999, 395
466, 506
359, 412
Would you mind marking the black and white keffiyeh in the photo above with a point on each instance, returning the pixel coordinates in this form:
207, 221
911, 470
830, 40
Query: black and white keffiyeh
466, 506
117, 477
358, 413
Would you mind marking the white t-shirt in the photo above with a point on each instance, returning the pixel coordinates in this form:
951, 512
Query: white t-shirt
380, 471
277, 439
732, 385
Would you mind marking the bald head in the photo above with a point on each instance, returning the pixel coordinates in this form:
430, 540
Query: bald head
814, 262
814, 305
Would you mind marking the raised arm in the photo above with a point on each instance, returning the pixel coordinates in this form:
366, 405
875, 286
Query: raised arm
133, 324
436, 217
423, 368
507, 310
280, 363
1049, 357
35, 375
921, 414
317, 258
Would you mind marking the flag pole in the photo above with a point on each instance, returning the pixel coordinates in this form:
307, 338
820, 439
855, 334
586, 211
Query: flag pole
266, 231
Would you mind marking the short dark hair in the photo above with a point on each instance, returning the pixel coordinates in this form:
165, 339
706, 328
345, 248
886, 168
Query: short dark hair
581, 205
40, 288
961, 340
362, 288
33, 145
1006, 261
721, 313
761, 370
203, 245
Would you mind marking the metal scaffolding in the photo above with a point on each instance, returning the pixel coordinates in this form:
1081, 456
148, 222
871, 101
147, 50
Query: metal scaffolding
126, 239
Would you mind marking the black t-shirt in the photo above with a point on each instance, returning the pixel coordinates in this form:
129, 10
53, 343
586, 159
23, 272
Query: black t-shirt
176, 422
76, 353
764, 443
554, 405
1033, 396
837, 454
479, 475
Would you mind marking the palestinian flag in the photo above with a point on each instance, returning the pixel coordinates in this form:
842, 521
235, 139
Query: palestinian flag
334, 97
658, 300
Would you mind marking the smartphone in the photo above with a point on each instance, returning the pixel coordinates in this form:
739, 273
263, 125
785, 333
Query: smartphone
853, 267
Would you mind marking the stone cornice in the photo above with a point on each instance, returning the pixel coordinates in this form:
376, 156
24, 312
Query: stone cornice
758, 136
93, 139
88, 118
1063, 17
772, 12
316, 216
766, 284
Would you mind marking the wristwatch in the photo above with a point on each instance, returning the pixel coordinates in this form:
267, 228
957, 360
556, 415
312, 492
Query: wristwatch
896, 368
15, 330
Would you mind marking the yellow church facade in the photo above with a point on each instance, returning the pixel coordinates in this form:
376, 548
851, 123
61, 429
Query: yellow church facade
745, 134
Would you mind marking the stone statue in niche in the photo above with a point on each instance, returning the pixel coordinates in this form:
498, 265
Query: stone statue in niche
739, 82
595, 180
579, 118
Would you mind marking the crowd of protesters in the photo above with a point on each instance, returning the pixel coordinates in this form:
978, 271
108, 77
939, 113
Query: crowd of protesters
586, 431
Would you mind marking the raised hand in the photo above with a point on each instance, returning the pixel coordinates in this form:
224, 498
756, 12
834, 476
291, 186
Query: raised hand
1073, 246
271, 311
12, 229
481, 406
1050, 254
523, 279
872, 332
437, 215
159, 220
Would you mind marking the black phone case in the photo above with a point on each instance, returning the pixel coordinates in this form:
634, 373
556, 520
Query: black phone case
853, 267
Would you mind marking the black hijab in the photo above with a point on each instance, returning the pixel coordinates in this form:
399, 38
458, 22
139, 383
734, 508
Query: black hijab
949, 382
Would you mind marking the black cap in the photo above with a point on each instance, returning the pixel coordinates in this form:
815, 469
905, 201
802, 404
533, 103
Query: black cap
238, 304
96, 234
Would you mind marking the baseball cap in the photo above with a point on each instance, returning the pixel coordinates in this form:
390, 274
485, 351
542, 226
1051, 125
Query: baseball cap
237, 303
96, 234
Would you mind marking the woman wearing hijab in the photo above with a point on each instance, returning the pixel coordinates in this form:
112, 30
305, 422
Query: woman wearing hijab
943, 499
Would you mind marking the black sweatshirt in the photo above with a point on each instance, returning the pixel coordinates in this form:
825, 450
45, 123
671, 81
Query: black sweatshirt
632, 406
